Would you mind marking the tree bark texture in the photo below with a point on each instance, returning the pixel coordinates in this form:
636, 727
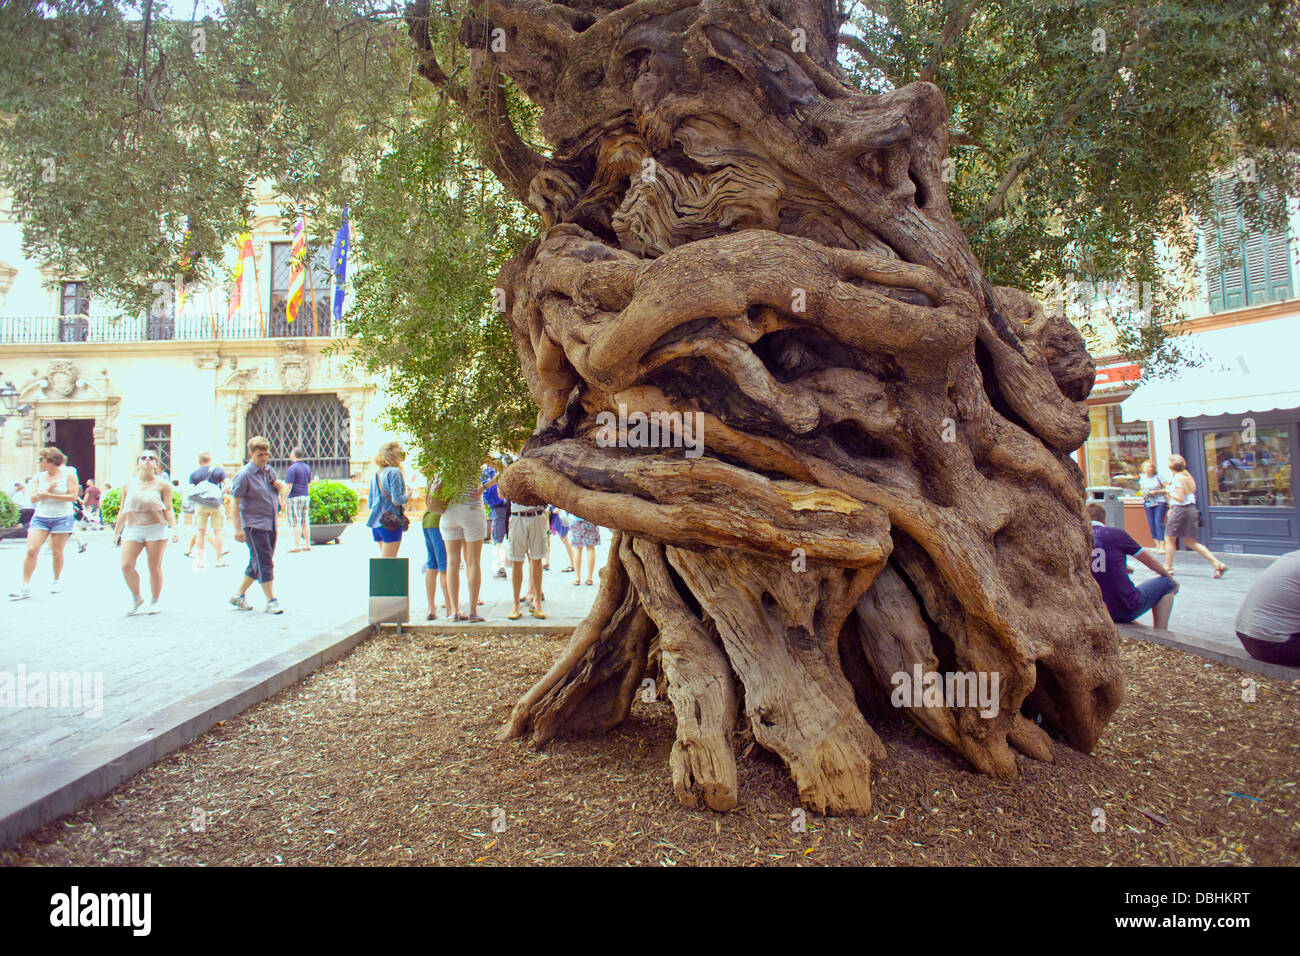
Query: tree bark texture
733, 232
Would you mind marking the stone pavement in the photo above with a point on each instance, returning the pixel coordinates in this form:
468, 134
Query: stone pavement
148, 662
1205, 608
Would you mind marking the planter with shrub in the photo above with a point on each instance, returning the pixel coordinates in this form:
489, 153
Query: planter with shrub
332, 507
8, 516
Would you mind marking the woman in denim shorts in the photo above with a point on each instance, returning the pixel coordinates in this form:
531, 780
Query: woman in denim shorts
53, 490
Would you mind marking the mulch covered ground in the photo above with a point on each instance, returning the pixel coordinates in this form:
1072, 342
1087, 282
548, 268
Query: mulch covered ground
411, 772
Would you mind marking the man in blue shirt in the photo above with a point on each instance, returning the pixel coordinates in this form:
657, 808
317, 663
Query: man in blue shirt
500, 510
257, 492
1124, 601
298, 477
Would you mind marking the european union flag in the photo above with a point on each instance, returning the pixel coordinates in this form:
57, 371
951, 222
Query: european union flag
339, 263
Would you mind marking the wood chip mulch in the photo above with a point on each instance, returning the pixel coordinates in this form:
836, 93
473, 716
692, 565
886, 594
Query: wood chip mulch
388, 756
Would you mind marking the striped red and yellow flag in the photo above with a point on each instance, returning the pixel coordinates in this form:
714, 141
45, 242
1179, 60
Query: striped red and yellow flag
245, 244
298, 270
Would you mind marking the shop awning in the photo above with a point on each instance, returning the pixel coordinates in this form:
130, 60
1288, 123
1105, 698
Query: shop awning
1250, 368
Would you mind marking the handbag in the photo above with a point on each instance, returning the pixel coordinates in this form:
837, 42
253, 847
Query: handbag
392, 521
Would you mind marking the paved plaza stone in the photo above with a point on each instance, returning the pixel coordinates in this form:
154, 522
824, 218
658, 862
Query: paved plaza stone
149, 662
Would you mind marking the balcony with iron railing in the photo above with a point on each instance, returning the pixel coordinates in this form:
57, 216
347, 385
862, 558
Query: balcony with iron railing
25, 329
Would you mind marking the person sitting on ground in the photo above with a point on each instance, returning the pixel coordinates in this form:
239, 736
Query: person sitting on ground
1268, 623
1124, 601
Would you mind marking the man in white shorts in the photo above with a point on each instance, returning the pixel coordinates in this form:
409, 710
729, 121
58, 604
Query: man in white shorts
527, 536
463, 527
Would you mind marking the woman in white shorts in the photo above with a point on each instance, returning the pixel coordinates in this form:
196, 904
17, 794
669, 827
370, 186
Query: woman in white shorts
464, 527
144, 522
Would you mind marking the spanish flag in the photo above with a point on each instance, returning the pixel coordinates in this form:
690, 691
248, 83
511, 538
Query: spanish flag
297, 272
245, 244
182, 264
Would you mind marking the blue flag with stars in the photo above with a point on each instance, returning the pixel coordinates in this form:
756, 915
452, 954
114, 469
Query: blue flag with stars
339, 263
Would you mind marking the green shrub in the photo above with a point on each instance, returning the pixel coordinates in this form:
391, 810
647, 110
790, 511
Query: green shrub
112, 501
332, 502
8, 511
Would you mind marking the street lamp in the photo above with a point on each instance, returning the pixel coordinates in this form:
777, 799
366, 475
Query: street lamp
9, 401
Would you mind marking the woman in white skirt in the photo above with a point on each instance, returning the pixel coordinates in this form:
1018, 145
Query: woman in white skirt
144, 522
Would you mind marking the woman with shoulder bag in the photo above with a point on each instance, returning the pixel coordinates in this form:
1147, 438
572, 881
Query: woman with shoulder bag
387, 495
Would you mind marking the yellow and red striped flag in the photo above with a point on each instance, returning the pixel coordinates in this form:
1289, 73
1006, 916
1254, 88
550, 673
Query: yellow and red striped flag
245, 243
297, 273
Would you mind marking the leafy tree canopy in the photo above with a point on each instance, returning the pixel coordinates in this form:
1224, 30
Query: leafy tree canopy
1084, 131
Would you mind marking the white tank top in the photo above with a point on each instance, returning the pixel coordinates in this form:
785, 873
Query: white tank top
45, 508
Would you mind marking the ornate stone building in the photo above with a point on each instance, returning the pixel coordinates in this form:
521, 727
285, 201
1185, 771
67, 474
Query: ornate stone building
103, 385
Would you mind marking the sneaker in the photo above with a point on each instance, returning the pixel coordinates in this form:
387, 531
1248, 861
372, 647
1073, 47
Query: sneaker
24, 591
273, 607
241, 602
154, 607
499, 574
136, 602
56, 586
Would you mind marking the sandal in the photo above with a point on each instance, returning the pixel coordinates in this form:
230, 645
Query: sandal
538, 614
565, 570
459, 617
514, 615
476, 619
588, 582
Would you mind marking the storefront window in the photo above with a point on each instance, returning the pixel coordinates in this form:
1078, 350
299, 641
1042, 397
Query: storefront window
1115, 449
1246, 473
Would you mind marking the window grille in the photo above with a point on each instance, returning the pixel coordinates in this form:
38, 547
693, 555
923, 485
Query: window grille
318, 424
159, 438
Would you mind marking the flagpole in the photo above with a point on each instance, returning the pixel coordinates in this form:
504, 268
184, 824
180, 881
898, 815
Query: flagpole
311, 286
257, 281
212, 310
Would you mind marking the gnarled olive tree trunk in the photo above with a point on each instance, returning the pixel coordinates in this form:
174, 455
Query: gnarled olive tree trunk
734, 233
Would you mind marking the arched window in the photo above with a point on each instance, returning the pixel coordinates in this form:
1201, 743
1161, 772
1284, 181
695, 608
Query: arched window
318, 424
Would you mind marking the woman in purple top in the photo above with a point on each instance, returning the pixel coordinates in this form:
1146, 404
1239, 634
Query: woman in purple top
297, 508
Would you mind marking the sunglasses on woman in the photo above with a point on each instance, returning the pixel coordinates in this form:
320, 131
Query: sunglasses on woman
148, 458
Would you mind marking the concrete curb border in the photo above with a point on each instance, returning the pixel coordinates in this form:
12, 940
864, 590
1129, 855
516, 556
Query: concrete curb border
39, 796
490, 627
1209, 651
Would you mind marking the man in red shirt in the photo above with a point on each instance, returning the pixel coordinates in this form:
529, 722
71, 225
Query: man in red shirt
90, 505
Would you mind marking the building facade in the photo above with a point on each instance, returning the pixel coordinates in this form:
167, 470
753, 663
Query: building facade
1235, 417
103, 385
